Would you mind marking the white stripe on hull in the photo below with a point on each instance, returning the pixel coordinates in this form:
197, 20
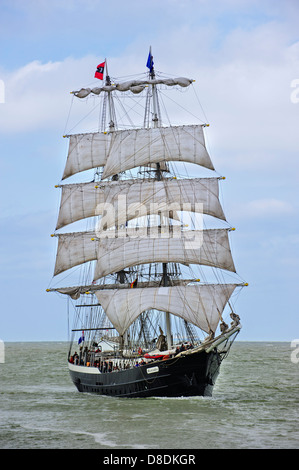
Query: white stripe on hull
84, 369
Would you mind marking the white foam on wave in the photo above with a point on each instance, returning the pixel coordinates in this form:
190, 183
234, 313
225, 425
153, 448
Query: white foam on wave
99, 437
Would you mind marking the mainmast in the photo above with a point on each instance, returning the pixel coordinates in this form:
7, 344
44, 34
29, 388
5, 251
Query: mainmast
156, 119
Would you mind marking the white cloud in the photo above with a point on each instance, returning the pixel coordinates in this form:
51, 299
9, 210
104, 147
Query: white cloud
243, 82
37, 95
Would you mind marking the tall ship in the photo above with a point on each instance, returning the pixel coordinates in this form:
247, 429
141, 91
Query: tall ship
146, 267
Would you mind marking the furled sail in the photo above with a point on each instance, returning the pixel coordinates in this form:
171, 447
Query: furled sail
75, 291
135, 86
201, 305
124, 200
207, 247
138, 147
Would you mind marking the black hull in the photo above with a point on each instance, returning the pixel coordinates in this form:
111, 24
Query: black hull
188, 375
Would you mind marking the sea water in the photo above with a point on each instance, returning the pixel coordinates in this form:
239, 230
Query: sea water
254, 405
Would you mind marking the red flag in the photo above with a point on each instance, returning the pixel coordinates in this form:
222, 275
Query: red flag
100, 71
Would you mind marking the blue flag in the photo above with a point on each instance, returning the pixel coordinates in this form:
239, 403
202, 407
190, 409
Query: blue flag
150, 62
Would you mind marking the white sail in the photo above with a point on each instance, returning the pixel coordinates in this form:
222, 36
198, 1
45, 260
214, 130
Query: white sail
74, 249
78, 201
86, 151
122, 201
138, 147
126, 149
205, 247
200, 305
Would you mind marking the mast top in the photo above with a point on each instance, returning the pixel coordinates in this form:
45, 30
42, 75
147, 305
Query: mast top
107, 77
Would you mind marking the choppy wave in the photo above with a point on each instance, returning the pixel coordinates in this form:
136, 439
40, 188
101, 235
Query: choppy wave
255, 405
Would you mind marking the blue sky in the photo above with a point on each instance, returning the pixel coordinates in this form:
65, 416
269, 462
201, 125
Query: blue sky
244, 56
